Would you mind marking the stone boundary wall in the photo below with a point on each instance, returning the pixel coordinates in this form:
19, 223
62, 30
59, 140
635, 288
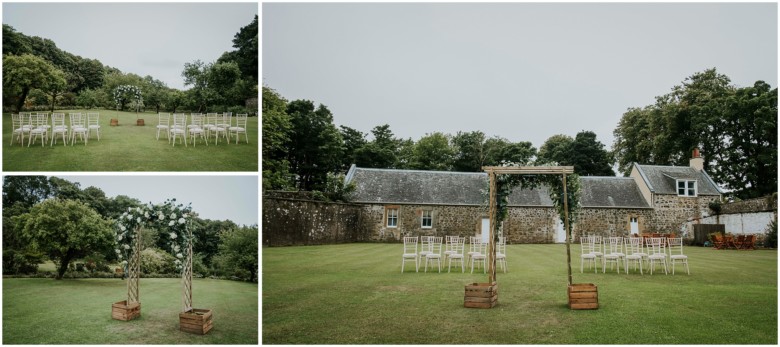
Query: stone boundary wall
288, 222
767, 203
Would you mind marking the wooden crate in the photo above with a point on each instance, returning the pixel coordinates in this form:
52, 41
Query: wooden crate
196, 321
583, 296
481, 295
122, 311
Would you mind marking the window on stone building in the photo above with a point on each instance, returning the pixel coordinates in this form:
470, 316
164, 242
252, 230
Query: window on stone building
686, 188
392, 217
427, 219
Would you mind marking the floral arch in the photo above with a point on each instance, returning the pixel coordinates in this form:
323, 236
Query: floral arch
175, 220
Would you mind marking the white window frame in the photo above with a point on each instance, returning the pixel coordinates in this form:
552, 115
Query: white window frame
689, 188
392, 214
429, 217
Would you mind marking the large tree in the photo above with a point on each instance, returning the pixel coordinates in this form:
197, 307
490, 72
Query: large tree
23, 73
381, 152
276, 138
65, 230
354, 140
433, 152
469, 151
315, 146
735, 128
238, 255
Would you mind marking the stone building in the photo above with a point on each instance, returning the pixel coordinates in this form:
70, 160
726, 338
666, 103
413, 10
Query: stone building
397, 203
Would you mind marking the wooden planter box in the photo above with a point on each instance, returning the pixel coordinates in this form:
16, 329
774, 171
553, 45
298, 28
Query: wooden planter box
114, 122
583, 296
195, 321
139, 122
481, 295
122, 311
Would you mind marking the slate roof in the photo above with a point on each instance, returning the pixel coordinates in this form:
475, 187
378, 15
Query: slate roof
662, 179
388, 186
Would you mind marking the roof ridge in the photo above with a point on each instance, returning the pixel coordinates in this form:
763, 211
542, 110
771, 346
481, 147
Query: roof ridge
421, 171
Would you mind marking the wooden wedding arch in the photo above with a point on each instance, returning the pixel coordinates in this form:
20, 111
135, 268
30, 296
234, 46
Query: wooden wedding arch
177, 222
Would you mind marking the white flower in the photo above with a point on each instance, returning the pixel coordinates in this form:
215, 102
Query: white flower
178, 255
120, 237
124, 262
176, 248
118, 251
129, 209
181, 220
186, 215
177, 262
146, 214
139, 219
122, 227
173, 236
124, 214
126, 246
171, 223
173, 216
161, 216
129, 217
119, 255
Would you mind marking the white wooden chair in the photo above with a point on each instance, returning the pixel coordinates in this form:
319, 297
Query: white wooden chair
474, 242
634, 253
598, 247
410, 253
457, 254
676, 253
93, 123
657, 253
240, 127
39, 129
435, 254
195, 129
20, 129
425, 247
501, 252
449, 245
179, 128
479, 254
58, 128
78, 126
586, 254
615, 254
164, 125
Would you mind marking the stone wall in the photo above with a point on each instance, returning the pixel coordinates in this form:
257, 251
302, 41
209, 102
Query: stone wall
767, 203
611, 221
744, 217
531, 225
672, 213
447, 220
304, 222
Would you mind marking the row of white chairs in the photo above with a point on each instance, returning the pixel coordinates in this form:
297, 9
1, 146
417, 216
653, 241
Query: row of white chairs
201, 126
36, 125
455, 250
651, 252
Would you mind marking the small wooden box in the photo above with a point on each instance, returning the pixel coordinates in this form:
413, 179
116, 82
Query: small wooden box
122, 311
583, 296
481, 295
195, 321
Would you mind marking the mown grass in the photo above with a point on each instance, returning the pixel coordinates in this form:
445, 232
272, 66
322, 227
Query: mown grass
47, 311
355, 293
128, 147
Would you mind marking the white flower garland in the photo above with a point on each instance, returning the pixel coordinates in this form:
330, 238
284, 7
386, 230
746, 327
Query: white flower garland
124, 89
168, 217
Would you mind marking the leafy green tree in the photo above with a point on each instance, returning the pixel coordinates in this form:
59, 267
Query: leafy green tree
246, 53
238, 254
175, 99
196, 74
155, 92
26, 190
589, 157
433, 152
90, 98
469, 151
556, 149
405, 154
381, 152
23, 73
65, 230
315, 144
56, 86
354, 140
276, 137
20, 193
15, 42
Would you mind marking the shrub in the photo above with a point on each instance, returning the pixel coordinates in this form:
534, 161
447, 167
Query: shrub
157, 261
770, 237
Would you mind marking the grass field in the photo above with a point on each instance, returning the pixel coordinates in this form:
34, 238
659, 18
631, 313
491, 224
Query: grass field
128, 147
46, 311
356, 294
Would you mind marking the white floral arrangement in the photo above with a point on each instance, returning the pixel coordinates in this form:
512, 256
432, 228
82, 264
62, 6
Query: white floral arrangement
171, 219
122, 91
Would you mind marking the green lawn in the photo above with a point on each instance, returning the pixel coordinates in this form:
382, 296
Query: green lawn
128, 147
47, 311
356, 294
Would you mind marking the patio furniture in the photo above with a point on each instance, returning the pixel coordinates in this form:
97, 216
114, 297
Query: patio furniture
435, 254
93, 123
39, 129
634, 254
20, 129
58, 127
586, 248
717, 241
501, 252
164, 124
657, 253
410, 252
457, 254
179, 128
479, 255
78, 126
239, 128
676, 253
615, 254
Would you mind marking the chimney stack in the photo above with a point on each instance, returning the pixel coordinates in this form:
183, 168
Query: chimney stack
697, 162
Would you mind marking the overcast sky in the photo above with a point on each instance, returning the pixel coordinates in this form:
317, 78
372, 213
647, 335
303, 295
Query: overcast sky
141, 38
521, 71
212, 197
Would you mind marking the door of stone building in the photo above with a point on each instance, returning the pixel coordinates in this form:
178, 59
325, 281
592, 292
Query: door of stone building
634, 225
485, 230
560, 234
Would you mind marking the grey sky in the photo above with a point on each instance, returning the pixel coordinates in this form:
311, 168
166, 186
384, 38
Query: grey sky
522, 71
142, 38
212, 197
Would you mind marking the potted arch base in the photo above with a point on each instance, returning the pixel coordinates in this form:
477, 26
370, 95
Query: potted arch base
124, 311
583, 296
195, 321
481, 295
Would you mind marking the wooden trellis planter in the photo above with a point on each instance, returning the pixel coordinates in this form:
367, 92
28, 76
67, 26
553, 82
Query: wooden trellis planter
124, 311
583, 296
196, 321
481, 295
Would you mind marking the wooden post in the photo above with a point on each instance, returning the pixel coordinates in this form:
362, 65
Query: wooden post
186, 276
566, 226
492, 242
